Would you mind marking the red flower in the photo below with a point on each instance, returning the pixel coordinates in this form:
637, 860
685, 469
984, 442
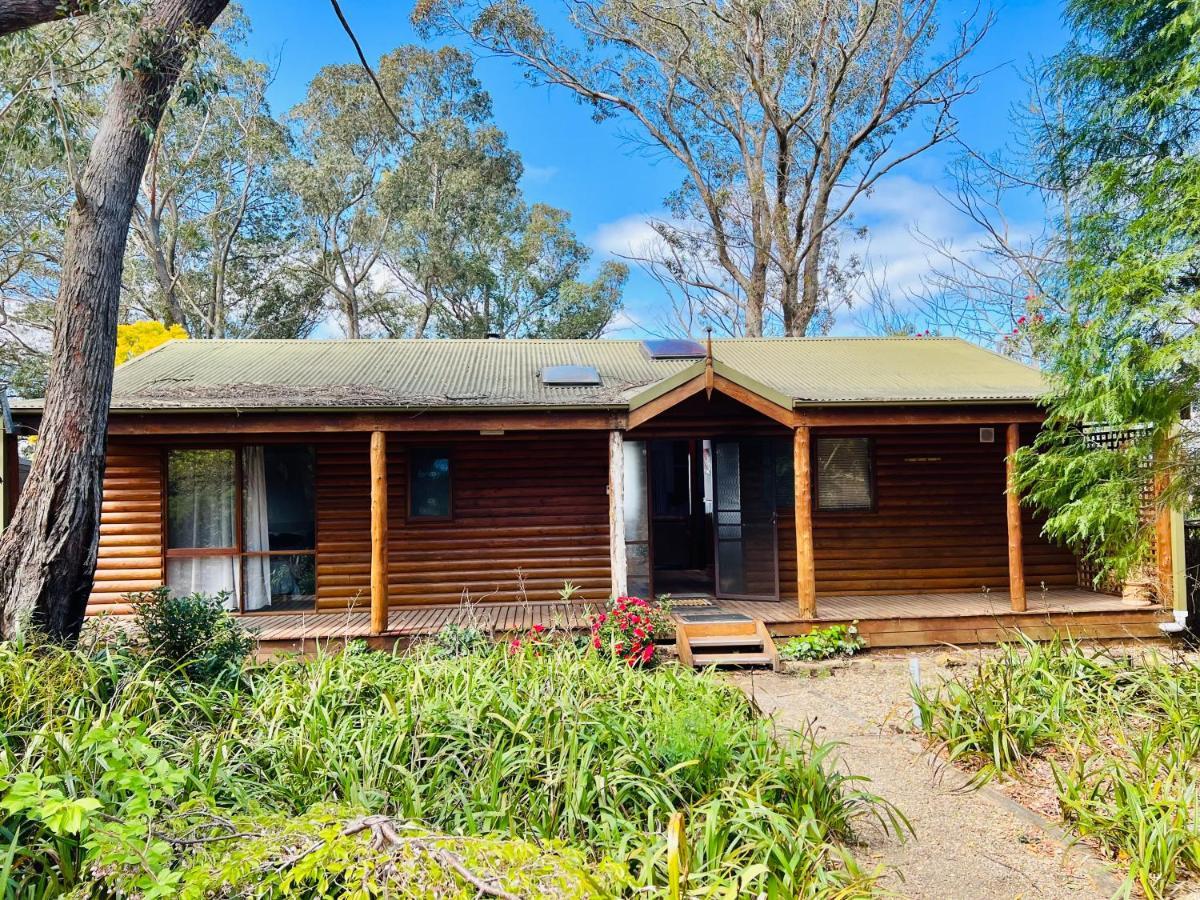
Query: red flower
539, 628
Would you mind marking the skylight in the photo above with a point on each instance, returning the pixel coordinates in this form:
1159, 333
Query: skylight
570, 376
674, 348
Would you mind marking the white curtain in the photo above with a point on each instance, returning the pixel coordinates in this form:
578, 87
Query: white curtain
209, 575
255, 531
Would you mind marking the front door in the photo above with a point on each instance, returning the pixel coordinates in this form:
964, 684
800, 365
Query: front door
744, 522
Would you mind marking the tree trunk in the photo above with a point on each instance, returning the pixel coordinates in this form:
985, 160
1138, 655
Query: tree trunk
756, 296
810, 290
48, 554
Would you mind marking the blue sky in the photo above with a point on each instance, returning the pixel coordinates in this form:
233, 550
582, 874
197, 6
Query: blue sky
610, 188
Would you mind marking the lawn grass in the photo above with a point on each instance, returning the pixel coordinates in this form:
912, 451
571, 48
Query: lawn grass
116, 771
1121, 734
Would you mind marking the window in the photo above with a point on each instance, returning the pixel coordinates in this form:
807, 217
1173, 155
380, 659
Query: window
271, 559
570, 376
429, 484
844, 478
635, 507
202, 552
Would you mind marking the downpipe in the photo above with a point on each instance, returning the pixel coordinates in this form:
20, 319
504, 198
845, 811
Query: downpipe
1178, 626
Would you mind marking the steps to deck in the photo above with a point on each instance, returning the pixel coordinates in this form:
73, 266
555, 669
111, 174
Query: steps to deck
722, 639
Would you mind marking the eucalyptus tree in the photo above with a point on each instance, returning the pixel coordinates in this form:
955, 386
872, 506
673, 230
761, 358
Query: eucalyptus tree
48, 552
209, 197
781, 114
50, 101
414, 215
534, 284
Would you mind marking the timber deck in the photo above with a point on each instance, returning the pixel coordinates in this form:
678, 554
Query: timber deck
901, 620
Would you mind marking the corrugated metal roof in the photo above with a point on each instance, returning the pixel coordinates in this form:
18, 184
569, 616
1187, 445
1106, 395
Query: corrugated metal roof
341, 374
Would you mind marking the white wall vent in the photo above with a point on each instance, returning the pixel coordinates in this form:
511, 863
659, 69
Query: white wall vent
987, 435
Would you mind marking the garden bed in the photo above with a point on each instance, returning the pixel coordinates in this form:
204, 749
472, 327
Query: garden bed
1107, 740
543, 769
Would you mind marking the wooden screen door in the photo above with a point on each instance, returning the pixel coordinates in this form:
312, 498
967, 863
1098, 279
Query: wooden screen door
747, 550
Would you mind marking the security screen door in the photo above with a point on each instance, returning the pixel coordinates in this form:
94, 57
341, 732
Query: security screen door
744, 519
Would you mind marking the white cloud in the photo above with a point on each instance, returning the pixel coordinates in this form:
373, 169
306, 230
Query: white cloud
538, 174
630, 235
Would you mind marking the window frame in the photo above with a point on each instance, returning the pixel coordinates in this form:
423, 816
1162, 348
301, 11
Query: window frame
409, 470
872, 479
239, 552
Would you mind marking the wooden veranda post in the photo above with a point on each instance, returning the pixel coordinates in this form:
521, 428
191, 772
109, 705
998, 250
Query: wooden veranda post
379, 533
1163, 543
806, 579
1016, 557
616, 513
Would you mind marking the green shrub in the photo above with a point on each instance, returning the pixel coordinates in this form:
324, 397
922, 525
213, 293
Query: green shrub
454, 640
556, 748
823, 643
627, 630
192, 633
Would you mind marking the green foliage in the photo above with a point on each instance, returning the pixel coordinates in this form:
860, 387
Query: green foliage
823, 643
454, 640
193, 633
575, 753
1124, 353
1122, 735
277, 855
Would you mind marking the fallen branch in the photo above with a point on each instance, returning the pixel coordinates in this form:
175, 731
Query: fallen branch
384, 835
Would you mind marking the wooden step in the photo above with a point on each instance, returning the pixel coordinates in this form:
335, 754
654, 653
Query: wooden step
726, 640
743, 642
703, 660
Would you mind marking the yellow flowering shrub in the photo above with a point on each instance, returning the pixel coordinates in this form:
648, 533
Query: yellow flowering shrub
136, 338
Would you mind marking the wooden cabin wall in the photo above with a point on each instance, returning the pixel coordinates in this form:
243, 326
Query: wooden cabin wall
131, 523
530, 513
939, 524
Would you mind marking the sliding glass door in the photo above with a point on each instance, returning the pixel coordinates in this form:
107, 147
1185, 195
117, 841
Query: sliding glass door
744, 519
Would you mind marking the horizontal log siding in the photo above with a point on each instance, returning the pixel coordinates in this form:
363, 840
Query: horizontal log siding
529, 514
939, 526
129, 558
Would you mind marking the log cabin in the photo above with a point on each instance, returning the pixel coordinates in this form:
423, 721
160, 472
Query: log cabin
799, 480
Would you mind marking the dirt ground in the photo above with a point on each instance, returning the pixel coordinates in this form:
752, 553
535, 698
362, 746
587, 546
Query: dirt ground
968, 843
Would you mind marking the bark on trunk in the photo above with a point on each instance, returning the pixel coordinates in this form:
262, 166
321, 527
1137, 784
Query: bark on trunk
17, 15
48, 554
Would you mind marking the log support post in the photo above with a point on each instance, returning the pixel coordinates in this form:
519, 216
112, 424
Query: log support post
806, 579
616, 513
1164, 544
1016, 556
379, 533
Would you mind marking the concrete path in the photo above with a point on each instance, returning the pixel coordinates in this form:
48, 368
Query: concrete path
967, 844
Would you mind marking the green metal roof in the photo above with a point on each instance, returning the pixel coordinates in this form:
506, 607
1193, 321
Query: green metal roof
466, 374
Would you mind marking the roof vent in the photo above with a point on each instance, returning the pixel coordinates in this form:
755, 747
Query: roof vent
674, 348
570, 376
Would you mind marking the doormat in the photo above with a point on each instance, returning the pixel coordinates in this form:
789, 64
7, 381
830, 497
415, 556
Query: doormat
716, 616
691, 602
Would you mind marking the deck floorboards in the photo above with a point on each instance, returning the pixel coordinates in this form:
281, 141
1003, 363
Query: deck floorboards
923, 617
